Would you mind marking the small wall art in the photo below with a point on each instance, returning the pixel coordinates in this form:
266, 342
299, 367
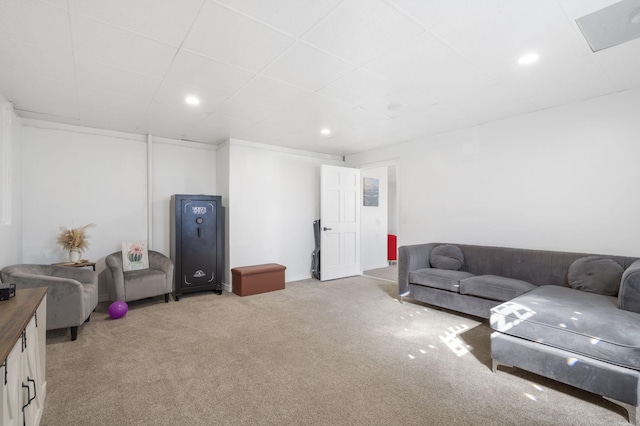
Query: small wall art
135, 256
371, 191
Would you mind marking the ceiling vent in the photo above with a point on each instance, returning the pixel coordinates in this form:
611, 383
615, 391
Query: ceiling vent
611, 26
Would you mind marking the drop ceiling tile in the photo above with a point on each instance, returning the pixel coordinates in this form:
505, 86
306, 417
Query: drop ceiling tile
315, 108
109, 110
120, 48
31, 22
430, 13
545, 30
44, 96
292, 17
24, 61
307, 67
359, 86
171, 121
429, 66
194, 70
173, 94
578, 8
230, 37
621, 64
569, 81
165, 20
397, 103
360, 30
353, 119
112, 79
92, 99
268, 91
247, 110
225, 123
207, 135
272, 129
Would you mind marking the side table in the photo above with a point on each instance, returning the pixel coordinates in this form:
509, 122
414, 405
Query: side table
80, 264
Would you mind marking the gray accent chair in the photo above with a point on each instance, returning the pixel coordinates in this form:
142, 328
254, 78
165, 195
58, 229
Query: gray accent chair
71, 296
140, 284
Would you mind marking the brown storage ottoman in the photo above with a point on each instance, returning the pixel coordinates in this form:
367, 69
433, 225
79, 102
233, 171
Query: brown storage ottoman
248, 280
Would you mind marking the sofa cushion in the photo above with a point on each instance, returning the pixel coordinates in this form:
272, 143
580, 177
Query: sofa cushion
439, 278
595, 274
494, 287
446, 256
584, 323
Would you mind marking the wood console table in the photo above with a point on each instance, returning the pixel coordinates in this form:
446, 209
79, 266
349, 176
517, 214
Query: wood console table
77, 265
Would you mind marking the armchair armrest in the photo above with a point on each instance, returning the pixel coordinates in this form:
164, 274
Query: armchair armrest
115, 275
161, 262
629, 293
411, 258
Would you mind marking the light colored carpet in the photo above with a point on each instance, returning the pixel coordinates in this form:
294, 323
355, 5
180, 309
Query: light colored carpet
344, 352
389, 273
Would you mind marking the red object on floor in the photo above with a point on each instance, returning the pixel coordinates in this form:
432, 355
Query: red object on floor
392, 247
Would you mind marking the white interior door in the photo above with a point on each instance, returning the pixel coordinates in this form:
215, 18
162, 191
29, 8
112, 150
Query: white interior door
339, 222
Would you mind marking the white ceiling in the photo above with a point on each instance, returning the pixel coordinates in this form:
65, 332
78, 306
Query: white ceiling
376, 72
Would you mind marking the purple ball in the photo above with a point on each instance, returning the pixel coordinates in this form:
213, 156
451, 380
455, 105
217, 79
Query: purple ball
118, 309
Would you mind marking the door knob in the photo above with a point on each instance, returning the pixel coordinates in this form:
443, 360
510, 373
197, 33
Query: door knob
326, 229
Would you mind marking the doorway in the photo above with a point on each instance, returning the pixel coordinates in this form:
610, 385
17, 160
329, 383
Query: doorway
378, 221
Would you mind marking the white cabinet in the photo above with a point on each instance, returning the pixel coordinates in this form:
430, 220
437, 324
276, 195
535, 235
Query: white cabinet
22, 380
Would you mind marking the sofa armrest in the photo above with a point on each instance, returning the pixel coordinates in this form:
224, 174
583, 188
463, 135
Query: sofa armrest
411, 258
629, 293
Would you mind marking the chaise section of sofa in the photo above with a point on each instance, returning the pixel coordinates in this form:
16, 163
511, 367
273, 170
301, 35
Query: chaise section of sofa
571, 317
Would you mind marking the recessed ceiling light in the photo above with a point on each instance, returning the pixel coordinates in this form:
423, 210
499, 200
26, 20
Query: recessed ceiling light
192, 100
325, 131
529, 58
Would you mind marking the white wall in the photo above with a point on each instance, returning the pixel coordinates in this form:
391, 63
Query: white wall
564, 178
373, 223
10, 185
222, 185
273, 201
73, 176
184, 168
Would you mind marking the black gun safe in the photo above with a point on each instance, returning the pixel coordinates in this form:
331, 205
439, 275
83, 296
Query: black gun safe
197, 243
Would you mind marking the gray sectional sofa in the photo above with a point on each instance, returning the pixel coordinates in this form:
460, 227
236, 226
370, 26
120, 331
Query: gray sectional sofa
572, 317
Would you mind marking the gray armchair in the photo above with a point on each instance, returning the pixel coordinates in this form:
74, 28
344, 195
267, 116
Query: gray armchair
71, 296
142, 283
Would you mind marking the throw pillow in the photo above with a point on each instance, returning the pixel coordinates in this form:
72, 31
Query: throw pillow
595, 274
135, 256
446, 256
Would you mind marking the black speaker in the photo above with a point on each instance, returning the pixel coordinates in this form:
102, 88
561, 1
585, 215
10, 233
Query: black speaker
7, 291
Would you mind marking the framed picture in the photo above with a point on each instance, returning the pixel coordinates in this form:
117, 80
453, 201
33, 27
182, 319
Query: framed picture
135, 256
371, 191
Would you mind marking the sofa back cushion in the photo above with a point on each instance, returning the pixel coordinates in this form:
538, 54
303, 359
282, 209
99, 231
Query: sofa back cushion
446, 256
539, 267
595, 274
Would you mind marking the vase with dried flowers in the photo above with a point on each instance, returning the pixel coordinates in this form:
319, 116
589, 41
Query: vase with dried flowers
75, 241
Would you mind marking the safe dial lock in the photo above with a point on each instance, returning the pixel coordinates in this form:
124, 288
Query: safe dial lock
199, 220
